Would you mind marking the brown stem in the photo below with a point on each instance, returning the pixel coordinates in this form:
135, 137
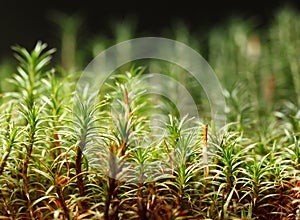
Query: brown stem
204, 150
25, 176
63, 202
142, 209
78, 163
60, 181
110, 203
56, 142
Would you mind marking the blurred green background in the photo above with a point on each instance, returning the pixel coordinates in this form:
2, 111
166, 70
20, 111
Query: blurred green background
252, 46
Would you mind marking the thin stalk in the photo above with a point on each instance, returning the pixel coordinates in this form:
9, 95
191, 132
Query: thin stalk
78, 163
61, 182
204, 152
63, 202
29, 147
112, 202
142, 209
112, 185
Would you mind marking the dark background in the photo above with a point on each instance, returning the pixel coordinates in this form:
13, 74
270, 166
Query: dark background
25, 22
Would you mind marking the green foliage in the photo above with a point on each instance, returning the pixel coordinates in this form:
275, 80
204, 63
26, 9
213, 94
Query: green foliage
101, 158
